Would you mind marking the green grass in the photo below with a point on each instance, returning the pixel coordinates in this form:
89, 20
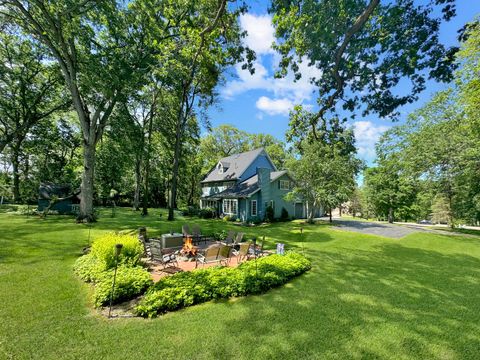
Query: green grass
365, 297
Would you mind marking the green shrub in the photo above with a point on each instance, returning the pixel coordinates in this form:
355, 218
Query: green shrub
269, 214
130, 282
103, 249
206, 213
284, 215
255, 220
88, 268
189, 211
189, 288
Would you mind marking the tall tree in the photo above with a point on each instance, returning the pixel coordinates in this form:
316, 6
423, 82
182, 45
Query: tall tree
363, 49
275, 148
103, 49
325, 168
30, 91
211, 42
222, 141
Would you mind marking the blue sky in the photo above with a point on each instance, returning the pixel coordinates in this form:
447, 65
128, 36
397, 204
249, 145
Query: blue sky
260, 104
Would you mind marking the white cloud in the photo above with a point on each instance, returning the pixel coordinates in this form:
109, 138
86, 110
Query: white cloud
367, 134
274, 106
260, 37
260, 32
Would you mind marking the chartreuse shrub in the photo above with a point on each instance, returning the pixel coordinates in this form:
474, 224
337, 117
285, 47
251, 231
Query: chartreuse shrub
103, 249
97, 267
130, 282
189, 288
88, 268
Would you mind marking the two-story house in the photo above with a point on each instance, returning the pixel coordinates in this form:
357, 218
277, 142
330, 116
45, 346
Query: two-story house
243, 185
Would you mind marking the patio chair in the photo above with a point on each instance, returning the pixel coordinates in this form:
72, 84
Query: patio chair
147, 252
209, 256
164, 257
186, 230
230, 239
225, 254
239, 238
258, 250
197, 234
242, 252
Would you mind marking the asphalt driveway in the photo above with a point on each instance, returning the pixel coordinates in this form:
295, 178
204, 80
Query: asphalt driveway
375, 228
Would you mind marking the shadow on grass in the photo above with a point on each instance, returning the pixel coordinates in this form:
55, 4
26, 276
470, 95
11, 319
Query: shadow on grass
396, 302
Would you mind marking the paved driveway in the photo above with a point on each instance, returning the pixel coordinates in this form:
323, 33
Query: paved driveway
374, 228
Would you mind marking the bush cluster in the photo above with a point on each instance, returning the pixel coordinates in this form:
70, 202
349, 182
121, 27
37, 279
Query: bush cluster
103, 249
269, 214
206, 213
130, 282
255, 220
189, 288
97, 267
189, 211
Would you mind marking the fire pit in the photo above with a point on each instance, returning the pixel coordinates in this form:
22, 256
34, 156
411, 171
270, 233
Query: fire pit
189, 251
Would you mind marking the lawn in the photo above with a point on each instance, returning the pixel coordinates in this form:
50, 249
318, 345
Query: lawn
365, 297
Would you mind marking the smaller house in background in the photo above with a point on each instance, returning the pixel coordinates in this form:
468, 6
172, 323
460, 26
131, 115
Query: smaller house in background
65, 199
244, 185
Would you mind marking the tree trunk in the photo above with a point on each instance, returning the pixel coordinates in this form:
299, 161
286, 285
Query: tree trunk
86, 202
173, 194
451, 219
146, 180
16, 175
310, 213
191, 195
138, 184
390, 215
330, 216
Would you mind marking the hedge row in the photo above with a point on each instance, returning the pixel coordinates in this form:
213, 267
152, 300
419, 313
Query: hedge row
189, 288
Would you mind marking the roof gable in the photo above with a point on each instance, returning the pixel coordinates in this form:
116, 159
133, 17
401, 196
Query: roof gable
234, 166
249, 186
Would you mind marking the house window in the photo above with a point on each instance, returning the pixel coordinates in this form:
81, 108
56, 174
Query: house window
284, 185
272, 204
253, 205
230, 206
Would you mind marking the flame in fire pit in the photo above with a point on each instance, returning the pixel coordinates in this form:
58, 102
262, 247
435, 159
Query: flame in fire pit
188, 249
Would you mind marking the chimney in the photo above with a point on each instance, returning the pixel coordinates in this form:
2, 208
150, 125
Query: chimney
264, 183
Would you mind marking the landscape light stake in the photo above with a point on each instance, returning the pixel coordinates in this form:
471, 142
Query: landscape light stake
118, 249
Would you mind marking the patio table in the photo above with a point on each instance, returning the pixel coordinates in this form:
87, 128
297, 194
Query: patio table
174, 240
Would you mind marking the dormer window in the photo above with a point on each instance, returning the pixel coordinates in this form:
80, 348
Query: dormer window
222, 167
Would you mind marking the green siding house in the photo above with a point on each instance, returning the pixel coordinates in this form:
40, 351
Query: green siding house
243, 185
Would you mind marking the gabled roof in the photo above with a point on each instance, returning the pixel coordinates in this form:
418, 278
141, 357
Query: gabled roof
247, 187
47, 191
233, 166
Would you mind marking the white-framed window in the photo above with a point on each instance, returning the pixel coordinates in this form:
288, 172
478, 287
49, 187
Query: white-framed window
272, 204
253, 206
230, 206
284, 185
